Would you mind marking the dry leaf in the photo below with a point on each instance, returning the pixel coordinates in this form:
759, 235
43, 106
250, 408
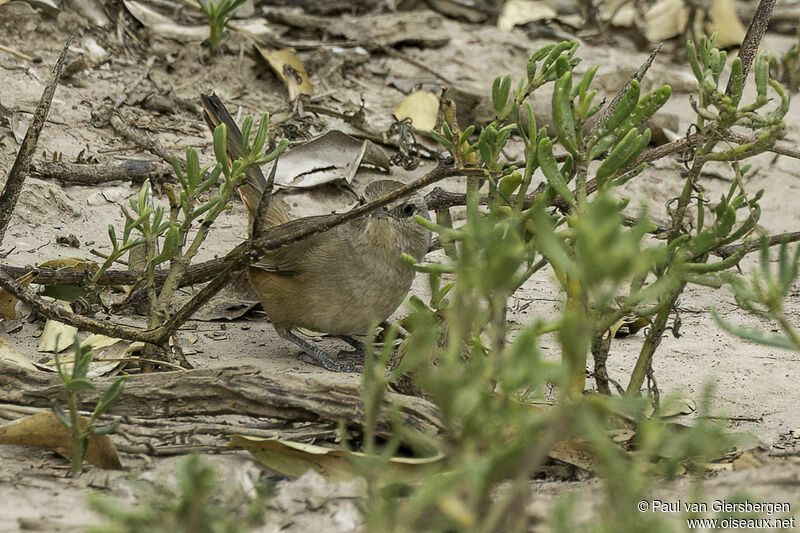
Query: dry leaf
289, 69
627, 326
519, 12
109, 353
68, 293
575, 452
8, 302
12, 355
8, 305
161, 25
725, 21
665, 19
57, 336
296, 458
45, 429
330, 157
421, 107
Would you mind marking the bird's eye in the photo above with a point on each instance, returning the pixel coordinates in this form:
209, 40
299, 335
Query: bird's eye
408, 210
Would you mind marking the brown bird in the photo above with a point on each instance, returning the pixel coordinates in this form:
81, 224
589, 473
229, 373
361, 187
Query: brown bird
341, 281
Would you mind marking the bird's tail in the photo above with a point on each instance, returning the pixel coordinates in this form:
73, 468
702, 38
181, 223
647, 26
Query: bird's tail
215, 113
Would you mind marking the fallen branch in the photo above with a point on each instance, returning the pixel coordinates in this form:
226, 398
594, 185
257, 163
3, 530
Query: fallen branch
221, 391
83, 174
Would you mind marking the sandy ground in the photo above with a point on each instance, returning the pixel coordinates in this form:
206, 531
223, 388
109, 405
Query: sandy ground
755, 385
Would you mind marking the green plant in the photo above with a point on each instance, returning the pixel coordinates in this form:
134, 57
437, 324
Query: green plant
175, 236
196, 506
218, 13
764, 297
75, 382
483, 375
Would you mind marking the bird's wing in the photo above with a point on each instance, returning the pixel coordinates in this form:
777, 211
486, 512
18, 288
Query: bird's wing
291, 258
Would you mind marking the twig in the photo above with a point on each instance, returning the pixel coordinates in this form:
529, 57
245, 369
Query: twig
752, 39
638, 75
20, 55
83, 174
16, 178
266, 244
399, 55
754, 245
139, 139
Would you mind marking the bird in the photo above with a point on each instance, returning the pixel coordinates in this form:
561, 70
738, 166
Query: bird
341, 281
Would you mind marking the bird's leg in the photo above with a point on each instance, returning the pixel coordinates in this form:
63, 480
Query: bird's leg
359, 350
319, 356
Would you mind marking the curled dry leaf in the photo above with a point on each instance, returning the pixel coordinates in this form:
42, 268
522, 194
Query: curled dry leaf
46, 430
289, 69
330, 157
627, 326
296, 458
166, 27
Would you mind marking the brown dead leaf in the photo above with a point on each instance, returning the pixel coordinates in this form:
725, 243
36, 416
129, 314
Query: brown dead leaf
575, 452
46, 430
296, 458
8, 302
289, 69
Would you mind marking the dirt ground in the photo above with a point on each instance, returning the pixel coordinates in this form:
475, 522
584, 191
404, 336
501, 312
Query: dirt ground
755, 385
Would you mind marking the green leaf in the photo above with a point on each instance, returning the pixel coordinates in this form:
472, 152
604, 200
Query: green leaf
547, 162
111, 395
192, 168
500, 91
220, 150
80, 384
563, 121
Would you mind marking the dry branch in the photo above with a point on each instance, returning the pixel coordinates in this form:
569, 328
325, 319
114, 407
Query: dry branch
19, 170
221, 391
85, 174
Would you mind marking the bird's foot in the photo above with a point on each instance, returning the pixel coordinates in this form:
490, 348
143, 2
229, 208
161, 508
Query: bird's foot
319, 357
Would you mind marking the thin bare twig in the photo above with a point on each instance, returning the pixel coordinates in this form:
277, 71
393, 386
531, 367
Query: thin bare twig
638, 76
17, 53
16, 178
752, 39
